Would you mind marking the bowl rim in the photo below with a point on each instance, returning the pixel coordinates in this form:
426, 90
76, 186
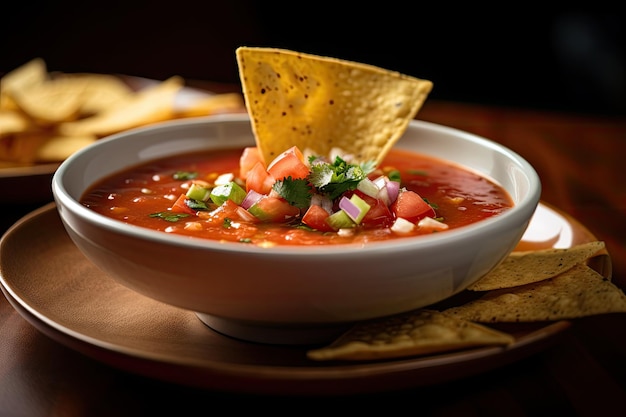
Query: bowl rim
522, 210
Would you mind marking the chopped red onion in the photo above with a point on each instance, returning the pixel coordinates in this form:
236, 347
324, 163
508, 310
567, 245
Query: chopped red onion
251, 199
349, 207
393, 189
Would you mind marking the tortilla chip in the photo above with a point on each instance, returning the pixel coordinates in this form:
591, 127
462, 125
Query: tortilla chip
50, 102
58, 148
154, 104
418, 332
22, 147
578, 292
215, 104
98, 92
521, 268
30, 74
12, 122
319, 103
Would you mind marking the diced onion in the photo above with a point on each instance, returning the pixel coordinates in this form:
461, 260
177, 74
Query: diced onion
368, 187
250, 199
402, 226
322, 201
393, 189
431, 224
224, 178
349, 207
381, 181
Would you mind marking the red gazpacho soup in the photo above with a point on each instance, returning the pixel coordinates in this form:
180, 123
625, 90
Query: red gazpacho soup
232, 196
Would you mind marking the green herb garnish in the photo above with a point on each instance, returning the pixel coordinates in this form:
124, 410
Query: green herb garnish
169, 216
337, 178
196, 204
297, 192
184, 175
394, 175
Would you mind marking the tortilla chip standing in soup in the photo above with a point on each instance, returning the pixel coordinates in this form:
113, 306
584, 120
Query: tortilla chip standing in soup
320, 104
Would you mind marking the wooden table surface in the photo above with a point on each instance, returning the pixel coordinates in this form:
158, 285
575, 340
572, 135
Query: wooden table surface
580, 160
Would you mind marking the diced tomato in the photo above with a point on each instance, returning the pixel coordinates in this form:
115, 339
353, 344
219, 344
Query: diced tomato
179, 205
227, 210
315, 217
378, 214
289, 164
274, 209
259, 179
249, 158
411, 206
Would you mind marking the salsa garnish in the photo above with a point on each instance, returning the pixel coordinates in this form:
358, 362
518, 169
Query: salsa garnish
231, 195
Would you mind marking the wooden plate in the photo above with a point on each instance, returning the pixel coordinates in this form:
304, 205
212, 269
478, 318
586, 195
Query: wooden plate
53, 286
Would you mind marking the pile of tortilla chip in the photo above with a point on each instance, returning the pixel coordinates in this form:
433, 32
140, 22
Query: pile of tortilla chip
45, 117
532, 286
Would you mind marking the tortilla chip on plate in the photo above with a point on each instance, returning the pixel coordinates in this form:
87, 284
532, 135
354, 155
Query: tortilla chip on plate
151, 105
521, 268
32, 73
21, 148
51, 102
12, 122
58, 148
418, 332
320, 104
578, 292
98, 92
213, 104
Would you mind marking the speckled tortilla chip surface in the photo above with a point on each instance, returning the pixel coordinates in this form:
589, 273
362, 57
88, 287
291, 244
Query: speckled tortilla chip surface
521, 268
320, 103
418, 332
577, 292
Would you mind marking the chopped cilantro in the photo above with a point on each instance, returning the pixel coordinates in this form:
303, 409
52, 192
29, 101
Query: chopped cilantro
169, 216
394, 175
184, 175
227, 223
297, 192
435, 206
196, 204
336, 178
417, 172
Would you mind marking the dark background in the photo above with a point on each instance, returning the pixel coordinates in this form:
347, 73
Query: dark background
563, 60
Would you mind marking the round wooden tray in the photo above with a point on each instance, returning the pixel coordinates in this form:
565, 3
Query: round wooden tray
53, 286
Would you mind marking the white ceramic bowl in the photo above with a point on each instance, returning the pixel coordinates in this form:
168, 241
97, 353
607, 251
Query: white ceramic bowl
290, 294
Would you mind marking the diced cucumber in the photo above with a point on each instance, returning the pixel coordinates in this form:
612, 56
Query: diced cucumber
231, 191
368, 187
340, 220
198, 193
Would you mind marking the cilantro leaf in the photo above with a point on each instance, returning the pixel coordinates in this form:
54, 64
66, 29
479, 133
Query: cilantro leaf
296, 191
184, 175
340, 176
169, 216
196, 204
